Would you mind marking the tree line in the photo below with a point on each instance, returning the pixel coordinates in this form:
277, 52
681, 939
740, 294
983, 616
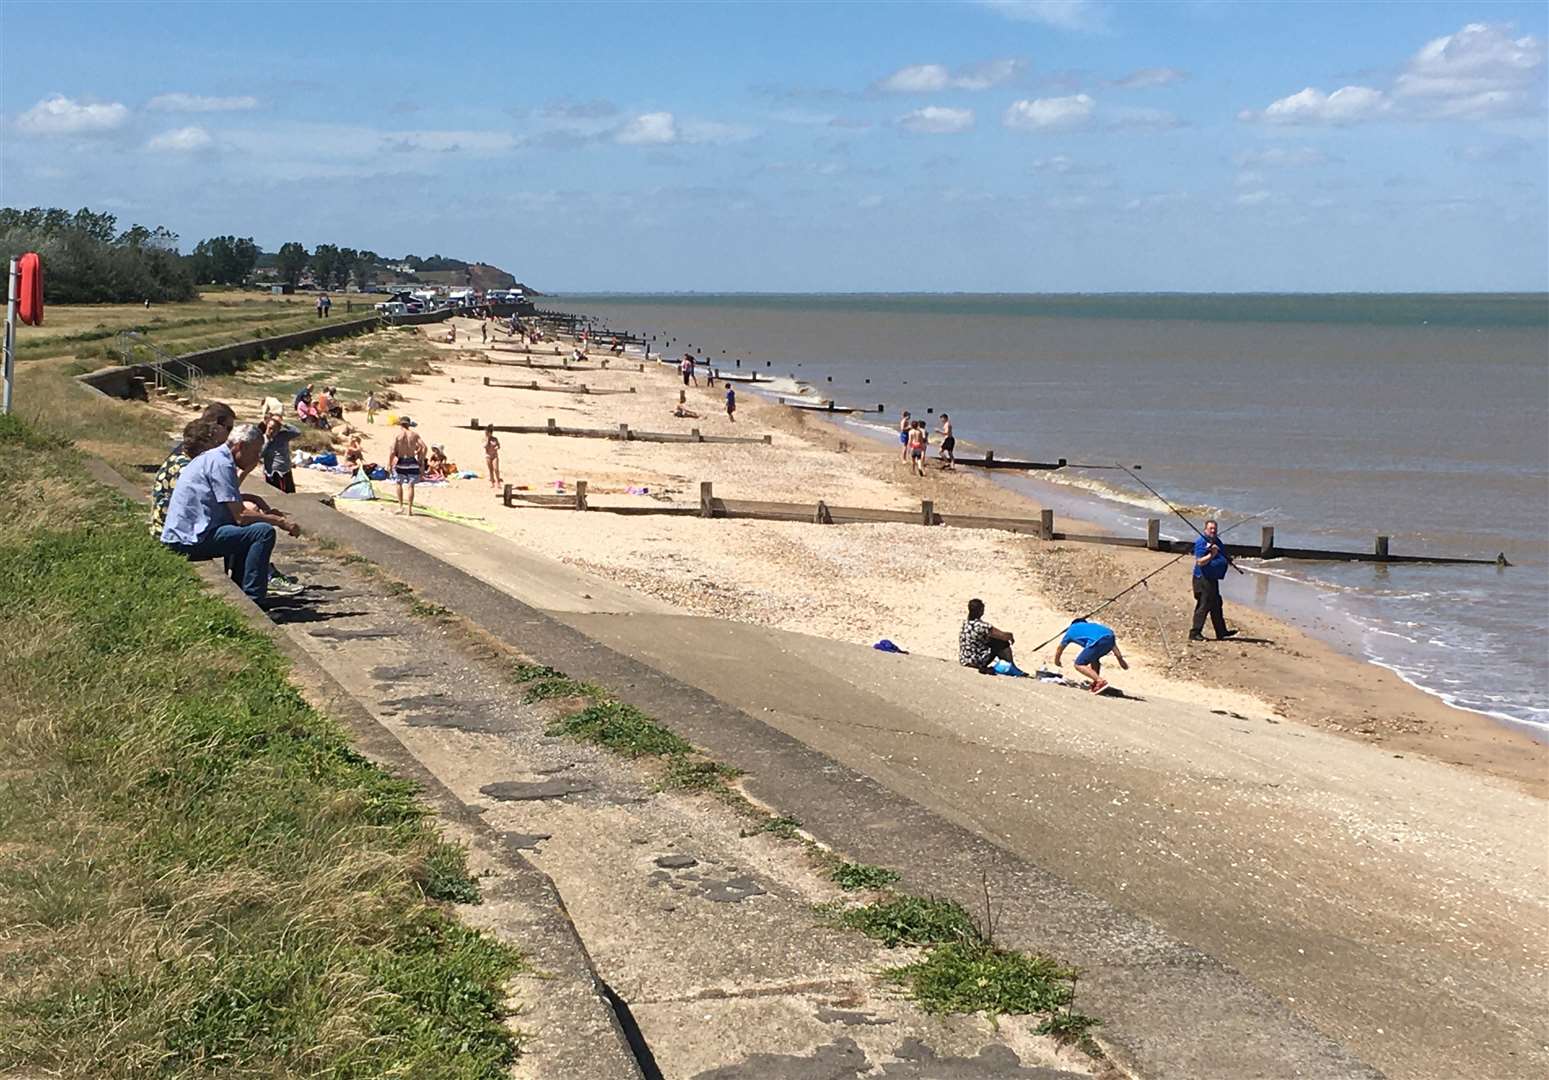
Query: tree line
88, 260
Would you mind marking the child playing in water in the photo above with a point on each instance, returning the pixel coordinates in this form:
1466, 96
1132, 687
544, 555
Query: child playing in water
492, 456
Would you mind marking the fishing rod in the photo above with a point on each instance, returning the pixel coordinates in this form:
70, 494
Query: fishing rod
1131, 588
1181, 518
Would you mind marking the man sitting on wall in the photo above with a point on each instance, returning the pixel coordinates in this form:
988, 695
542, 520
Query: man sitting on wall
208, 516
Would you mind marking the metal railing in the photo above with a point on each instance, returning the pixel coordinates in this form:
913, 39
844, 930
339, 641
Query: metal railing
168, 371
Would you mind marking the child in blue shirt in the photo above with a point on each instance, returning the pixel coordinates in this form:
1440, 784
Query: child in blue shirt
1096, 641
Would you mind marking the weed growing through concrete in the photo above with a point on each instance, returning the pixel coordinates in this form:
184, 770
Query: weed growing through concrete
544, 683
787, 828
697, 774
853, 876
429, 611
968, 976
621, 728
912, 920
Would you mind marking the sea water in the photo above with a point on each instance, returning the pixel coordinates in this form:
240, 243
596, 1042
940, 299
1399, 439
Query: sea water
1424, 418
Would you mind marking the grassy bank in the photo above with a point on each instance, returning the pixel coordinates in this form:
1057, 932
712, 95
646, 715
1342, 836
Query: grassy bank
199, 876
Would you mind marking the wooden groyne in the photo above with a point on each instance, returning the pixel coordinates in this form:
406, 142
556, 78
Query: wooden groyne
822, 512
581, 388
829, 407
622, 433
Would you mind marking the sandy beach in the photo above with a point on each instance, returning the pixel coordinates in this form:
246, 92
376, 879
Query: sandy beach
861, 583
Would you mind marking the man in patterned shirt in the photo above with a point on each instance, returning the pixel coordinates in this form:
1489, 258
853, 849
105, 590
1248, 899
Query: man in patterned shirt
979, 644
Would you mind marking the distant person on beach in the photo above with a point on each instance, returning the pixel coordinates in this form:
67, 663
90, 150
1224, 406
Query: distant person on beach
916, 448
905, 425
354, 453
979, 644
483, 333
304, 394
407, 461
209, 517
371, 406
1210, 566
731, 404
492, 456
687, 367
1096, 641
948, 443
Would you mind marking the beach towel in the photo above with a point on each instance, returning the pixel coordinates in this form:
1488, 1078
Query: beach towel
359, 488
885, 645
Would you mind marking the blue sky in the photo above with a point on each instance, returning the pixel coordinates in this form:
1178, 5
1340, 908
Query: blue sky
1003, 146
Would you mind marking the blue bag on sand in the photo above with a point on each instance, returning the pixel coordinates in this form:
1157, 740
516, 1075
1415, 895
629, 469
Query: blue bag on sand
1006, 667
886, 645
378, 473
326, 458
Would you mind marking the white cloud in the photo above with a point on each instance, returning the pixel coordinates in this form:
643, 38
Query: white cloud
1479, 59
931, 78
448, 142
1050, 114
1069, 202
1250, 179
198, 103
181, 140
59, 115
1254, 198
664, 129
1059, 164
937, 120
1158, 201
649, 129
1281, 157
1347, 105
1064, 14
1146, 78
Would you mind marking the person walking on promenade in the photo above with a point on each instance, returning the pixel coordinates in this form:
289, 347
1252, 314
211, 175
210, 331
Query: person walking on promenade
208, 516
731, 404
1096, 641
979, 644
492, 456
407, 462
905, 425
948, 443
1210, 565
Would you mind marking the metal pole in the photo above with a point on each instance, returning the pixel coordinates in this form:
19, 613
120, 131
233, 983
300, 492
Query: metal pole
12, 295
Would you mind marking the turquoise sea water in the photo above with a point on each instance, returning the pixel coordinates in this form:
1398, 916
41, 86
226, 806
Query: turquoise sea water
1425, 418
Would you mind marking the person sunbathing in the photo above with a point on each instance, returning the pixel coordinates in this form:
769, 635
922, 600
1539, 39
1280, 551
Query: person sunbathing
685, 414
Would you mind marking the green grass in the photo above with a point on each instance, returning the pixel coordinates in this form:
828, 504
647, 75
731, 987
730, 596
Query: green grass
912, 920
697, 774
781, 825
968, 976
542, 683
200, 876
621, 728
853, 876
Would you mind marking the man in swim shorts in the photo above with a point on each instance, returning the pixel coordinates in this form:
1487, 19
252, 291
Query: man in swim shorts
948, 443
407, 462
1096, 641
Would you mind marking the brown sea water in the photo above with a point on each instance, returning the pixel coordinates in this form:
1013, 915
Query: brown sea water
1425, 418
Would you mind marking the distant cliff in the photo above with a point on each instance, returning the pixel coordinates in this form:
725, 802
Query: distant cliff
481, 276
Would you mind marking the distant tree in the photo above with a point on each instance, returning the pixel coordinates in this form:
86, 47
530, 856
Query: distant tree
325, 259
348, 257
99, 227
290, 261
365, 267
225, 260
89, 261
136, 236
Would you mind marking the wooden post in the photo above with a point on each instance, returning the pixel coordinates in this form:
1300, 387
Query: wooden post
582, 388
486, 380
1154, 534
624, 432
706, 500
927, 512
474, 423
989, 456
768, 440
580, 494
553, 426
505, 496
1267, 541
631, 389
823, 516
1382, 547
1046, 524
697, 436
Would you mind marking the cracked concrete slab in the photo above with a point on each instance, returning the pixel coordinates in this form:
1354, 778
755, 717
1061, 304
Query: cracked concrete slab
527, 790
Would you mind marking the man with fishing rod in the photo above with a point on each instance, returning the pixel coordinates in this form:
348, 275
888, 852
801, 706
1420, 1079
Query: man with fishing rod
1210, 565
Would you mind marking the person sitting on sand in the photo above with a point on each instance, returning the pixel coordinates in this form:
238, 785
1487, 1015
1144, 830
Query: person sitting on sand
324, 402
948, 443
435, 467
354, 455
407, 461
451, 335
1096, 641
979, 644
492, 456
